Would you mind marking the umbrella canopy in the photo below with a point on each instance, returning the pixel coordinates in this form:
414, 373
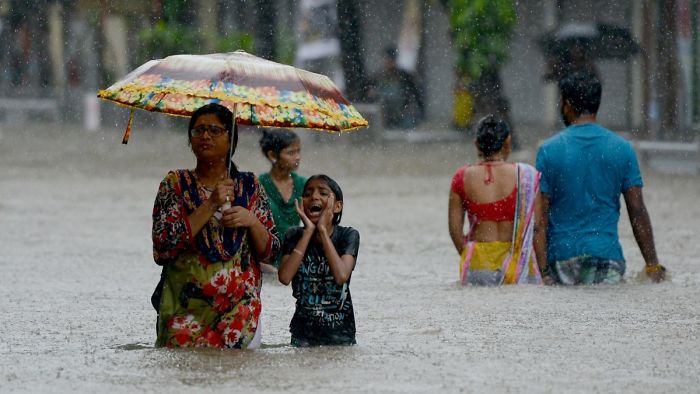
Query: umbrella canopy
258, 91
594, 40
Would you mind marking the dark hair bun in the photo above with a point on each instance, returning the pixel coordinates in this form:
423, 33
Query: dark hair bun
491, 133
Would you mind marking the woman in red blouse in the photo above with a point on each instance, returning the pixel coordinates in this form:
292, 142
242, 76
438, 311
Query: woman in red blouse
499, 199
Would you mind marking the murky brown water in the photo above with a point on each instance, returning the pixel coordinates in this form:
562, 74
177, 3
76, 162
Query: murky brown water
77, 274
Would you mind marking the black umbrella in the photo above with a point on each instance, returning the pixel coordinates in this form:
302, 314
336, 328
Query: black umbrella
592, 40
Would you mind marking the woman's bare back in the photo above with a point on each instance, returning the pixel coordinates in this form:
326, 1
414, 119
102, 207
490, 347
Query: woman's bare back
480, 187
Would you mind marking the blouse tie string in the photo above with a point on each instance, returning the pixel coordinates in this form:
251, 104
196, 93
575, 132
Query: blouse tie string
488, 178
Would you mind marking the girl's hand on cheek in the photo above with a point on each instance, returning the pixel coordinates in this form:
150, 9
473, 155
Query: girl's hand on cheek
308, 224
325, 222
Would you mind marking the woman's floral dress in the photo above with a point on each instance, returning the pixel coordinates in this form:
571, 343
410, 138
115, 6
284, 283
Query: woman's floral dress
209, 295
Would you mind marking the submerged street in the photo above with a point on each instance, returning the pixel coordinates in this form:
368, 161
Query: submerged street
75, 252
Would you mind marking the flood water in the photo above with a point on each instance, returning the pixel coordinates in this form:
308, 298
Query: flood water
77, 275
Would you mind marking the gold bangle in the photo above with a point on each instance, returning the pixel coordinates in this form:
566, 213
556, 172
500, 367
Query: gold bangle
650, 269
295, 250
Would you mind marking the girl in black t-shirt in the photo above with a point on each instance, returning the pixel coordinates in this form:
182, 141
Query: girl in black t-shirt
318, 260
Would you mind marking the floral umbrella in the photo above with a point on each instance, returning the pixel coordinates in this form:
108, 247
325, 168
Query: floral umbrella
258, 91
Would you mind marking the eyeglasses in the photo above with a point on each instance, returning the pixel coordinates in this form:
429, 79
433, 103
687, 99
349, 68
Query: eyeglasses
213, 130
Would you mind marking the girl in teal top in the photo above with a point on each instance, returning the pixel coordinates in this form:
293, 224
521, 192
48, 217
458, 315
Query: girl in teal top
282, 185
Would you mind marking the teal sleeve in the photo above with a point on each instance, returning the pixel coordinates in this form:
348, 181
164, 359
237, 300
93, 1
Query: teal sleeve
541, 165
633, 176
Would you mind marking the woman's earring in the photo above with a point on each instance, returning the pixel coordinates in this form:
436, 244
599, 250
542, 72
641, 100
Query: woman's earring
274, 161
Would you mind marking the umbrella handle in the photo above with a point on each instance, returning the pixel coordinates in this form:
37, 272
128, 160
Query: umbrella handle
230, 149
227, 204
127, 131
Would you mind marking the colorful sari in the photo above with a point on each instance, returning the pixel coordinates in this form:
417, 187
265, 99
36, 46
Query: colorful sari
496, 263
209, 293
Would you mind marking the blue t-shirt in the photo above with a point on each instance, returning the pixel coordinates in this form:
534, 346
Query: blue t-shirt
585, 168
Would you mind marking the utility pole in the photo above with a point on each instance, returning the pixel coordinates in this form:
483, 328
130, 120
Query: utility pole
669, 72
351, 51
266, 29
694, 77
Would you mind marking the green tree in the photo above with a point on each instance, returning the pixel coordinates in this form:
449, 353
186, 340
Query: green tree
168, 38
175, 29
481, 33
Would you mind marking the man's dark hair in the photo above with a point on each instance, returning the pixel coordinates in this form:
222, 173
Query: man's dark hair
582, 90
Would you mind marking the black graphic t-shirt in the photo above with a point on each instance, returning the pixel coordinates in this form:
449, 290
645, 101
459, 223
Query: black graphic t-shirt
324, 313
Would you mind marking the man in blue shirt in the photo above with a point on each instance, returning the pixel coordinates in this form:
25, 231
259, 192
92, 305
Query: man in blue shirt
585, 168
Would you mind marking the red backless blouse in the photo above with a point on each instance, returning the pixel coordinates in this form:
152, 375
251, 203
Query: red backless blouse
496, 211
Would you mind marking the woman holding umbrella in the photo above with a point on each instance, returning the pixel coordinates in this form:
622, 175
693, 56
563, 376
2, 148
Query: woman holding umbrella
209, 292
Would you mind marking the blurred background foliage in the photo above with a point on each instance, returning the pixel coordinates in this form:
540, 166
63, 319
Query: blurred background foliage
170, 38
481, 33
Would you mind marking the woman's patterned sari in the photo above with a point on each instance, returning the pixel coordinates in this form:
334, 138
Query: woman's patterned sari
209, 295
516, 261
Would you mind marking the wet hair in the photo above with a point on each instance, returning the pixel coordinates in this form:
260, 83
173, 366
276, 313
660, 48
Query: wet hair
276, 140
582, 90
491, 133
225, 116
335, 188
391, 52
